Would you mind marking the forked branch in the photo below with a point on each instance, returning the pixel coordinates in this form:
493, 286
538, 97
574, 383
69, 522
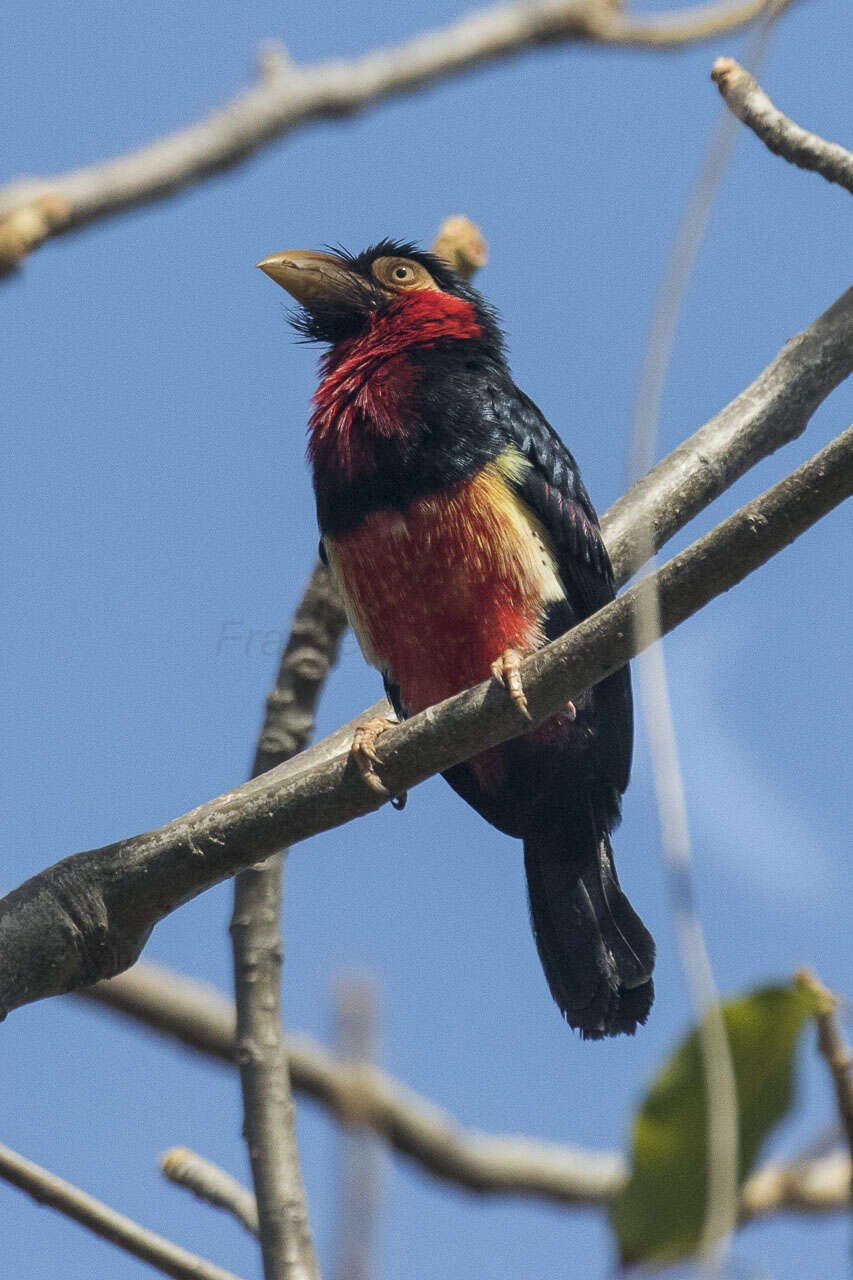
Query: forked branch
146, 1245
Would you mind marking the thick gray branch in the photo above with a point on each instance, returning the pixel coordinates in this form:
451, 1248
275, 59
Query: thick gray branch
54, 1192
34, 210
747, 100
88, 917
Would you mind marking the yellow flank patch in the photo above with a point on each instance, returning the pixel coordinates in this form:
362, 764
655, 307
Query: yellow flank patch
524, 538
512, 464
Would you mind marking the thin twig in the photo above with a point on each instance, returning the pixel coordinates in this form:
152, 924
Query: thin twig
747, 100
721, 1209
358, 1195
268, 1115
146, 1245
832, 1049
89, 916
203, 1020
206, 1180
35, 210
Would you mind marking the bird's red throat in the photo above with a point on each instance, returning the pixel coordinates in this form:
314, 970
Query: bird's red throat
365, 394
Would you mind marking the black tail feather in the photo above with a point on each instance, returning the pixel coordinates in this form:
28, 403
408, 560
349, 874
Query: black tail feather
597, 954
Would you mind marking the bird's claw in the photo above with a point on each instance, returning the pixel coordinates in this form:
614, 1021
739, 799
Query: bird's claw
507, 671
363, 752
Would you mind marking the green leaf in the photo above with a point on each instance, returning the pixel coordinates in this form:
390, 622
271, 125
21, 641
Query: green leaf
659, 1215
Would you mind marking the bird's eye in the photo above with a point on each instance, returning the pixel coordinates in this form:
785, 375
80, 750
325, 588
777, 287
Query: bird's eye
400, 273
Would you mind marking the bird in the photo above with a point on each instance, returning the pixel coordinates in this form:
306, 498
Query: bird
458, 529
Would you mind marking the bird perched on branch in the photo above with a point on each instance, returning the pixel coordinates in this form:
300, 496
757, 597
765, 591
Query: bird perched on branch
462, 538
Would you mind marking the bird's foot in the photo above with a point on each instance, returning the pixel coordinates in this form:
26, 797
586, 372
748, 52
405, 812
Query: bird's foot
363, 752
507, 671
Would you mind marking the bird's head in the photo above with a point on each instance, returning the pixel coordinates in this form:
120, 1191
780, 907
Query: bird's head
411, 297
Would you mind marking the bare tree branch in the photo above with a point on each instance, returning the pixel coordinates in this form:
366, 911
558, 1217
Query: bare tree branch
269, 1121
203, 1020
747, 100
35, 210
211, 1184
48, 1189
194, 1014
88, 916
309, 654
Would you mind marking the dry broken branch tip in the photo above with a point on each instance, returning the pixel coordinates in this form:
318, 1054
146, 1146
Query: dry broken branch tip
211, 1184
747, 100
461, 245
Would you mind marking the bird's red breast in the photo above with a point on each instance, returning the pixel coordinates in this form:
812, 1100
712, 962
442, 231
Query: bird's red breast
439, 591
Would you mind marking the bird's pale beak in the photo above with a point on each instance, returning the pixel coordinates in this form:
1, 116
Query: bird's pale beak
309, 277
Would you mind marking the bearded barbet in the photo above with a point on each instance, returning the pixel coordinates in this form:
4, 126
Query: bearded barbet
461, 536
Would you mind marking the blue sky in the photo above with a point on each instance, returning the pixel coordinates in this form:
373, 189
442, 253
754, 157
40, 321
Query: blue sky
154, 490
